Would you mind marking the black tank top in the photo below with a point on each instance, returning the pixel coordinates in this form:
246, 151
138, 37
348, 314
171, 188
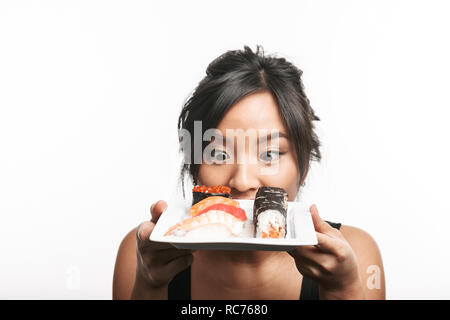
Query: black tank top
180, 286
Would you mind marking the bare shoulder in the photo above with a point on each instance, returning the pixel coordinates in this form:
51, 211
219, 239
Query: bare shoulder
358, 238
362, 243
125, 267
129, 239
370, 262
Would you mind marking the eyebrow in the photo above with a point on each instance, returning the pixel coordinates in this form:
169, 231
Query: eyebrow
275, 135
270, 136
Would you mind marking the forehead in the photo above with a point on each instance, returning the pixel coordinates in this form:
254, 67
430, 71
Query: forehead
256, 111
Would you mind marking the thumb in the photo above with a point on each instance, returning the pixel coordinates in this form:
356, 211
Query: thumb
157, 209
319, 224
326, 243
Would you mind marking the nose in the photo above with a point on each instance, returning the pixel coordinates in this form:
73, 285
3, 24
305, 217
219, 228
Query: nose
244, 181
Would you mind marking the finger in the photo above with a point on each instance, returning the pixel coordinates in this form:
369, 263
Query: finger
163, 257
319, 224
306, 266
168, 255
179, 264
327, 244
143, 232
157, 209
311, 254
302, 250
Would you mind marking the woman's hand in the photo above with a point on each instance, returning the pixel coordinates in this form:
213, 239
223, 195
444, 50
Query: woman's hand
157, 263
331, 263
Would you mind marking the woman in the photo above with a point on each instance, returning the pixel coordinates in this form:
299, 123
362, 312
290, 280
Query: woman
245, 90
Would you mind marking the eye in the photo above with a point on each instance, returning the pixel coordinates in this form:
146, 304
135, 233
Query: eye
270, 156
219, 156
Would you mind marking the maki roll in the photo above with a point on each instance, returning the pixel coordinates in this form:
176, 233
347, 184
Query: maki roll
201, 192
270, 212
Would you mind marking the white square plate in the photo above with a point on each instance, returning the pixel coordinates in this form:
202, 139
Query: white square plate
300, 230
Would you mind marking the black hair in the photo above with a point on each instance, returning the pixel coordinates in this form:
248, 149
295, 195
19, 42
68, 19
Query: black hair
237, 74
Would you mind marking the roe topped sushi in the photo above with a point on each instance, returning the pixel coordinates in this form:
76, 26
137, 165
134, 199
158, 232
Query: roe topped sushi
202, 192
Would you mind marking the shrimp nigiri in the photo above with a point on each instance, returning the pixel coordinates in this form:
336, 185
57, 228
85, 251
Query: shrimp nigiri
211, 220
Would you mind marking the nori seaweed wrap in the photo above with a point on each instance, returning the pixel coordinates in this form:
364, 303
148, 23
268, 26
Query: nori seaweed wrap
201, 192
270, 212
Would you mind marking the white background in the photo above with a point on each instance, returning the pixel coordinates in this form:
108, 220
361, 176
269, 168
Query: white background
90, 92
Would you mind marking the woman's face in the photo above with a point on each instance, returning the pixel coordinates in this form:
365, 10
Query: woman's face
250, 161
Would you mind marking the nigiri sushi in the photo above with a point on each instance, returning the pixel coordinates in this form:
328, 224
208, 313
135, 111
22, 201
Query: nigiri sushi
212, 217
269, 212
205, 203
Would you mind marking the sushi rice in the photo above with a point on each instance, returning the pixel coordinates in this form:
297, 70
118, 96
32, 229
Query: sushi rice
269, 220
212, 224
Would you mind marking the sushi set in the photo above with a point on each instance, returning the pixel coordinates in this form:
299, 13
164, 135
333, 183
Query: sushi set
215, 221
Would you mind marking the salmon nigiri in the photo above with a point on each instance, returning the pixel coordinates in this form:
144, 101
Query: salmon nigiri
212, 216
203, 204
